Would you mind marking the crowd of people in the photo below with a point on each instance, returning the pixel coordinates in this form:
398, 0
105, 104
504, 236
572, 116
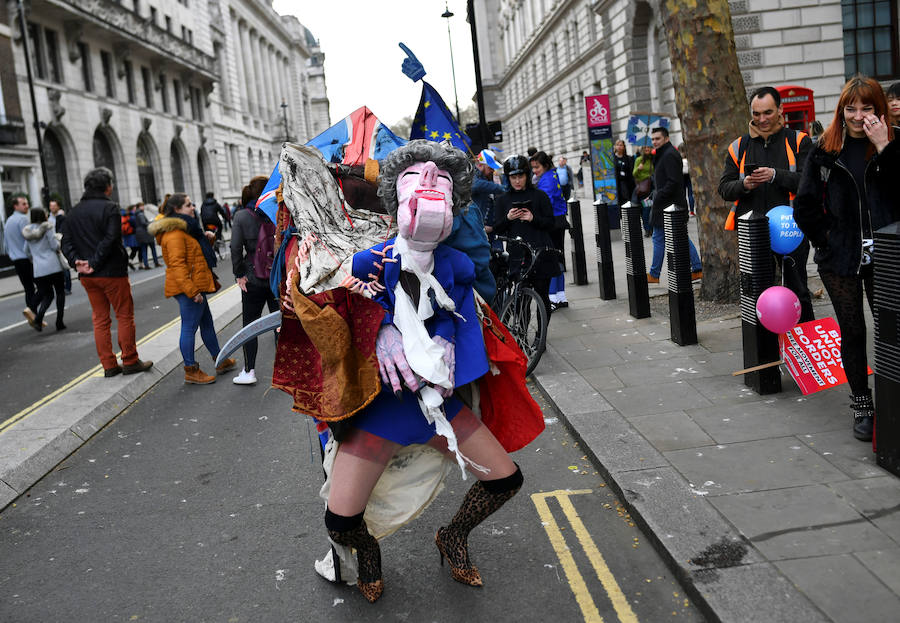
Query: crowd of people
836, 179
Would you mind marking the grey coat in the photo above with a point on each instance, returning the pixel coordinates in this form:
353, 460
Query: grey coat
41, 247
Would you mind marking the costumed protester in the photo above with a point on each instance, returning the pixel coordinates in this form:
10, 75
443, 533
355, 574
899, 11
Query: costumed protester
429, 343
545, 180
189, 280
525, 212
253, 280
858, 151
393, 354
42, 247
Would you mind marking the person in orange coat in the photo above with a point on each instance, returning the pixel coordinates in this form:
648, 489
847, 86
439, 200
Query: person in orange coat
189, 280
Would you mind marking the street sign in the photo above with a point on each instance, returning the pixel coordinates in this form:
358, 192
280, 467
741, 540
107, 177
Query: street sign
603, 169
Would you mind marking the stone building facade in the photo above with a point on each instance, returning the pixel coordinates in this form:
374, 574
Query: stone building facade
541, 57
172, 95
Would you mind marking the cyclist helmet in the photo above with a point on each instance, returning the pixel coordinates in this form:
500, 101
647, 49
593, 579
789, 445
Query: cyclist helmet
515, 165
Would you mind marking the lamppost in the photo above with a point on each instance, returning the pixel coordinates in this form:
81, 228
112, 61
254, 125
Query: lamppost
447, 15
284, 108
45, 191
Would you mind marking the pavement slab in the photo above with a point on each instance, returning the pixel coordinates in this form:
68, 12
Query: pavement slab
747, 421
800, 522
843, 588
632, 401
764, 464
671, 431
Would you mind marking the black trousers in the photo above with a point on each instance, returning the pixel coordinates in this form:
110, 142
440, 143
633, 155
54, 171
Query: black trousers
25, 272
252, 303
846, 295
793, 267
46, 286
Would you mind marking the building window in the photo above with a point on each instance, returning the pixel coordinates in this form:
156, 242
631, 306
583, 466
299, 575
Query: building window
168, 24
87, 77
109, 78
137, 7
164, 92
37, 51
148, 87
870, 35
54, 65
190, 36
179, 99
184, 33
154, 16
129, 80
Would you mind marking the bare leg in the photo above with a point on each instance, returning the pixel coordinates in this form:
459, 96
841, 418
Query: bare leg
487, 495
357, 467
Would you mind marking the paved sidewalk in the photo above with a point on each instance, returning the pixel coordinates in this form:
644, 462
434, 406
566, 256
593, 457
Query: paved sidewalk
766, 506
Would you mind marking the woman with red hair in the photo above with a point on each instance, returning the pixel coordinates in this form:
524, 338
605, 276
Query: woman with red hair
846, 193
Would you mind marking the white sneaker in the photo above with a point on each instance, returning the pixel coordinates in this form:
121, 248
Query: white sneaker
245, 378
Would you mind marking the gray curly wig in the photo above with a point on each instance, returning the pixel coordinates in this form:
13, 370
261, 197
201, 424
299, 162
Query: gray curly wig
446, 157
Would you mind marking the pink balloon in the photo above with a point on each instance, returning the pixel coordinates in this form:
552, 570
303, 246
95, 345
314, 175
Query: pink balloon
778, 309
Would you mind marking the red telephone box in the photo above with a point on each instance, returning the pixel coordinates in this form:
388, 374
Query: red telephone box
798, 105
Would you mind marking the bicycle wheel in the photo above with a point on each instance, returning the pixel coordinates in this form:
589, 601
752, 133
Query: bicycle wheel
526, 317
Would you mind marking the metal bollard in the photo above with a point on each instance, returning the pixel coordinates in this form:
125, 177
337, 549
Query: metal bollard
635, 264
604, 252
682, 315
886, 310
757, 274
579, 263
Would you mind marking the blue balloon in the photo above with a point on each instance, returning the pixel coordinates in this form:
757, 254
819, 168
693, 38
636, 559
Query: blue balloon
784, 234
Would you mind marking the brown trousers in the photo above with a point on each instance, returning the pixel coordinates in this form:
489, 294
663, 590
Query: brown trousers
104, 292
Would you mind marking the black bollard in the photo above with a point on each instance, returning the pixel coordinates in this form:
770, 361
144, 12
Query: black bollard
682, 315
579, 263
757, 274
604, 252
635, 264
886, 283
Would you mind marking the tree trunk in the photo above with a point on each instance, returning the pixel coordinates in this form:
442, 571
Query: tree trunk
712, 106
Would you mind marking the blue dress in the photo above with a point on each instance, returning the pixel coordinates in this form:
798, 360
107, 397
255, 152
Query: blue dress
401, 420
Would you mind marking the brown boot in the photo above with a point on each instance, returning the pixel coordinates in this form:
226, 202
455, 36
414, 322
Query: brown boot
225, 366
193, 374
483, 498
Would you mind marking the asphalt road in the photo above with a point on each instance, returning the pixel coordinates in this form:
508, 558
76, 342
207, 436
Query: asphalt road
200, 504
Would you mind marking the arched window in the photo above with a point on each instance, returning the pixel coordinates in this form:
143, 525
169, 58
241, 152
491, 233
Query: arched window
203, 172
55, 160
177, 168
146, 174
103, 157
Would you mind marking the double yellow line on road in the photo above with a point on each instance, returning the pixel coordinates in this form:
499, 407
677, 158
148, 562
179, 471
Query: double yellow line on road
24, 413
576, 581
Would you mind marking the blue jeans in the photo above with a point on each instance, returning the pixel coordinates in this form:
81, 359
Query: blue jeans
659, 253
194, 315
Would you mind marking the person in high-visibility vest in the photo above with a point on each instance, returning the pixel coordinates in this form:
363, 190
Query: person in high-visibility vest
776, 155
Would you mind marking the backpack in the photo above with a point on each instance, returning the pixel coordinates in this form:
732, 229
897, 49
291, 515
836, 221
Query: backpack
127, 229
264, 256
738, 152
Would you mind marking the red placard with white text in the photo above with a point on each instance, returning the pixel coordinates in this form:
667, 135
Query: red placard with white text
812, 353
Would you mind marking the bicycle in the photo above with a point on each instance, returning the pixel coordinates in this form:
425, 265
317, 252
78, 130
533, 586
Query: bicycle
521, 309
218, 243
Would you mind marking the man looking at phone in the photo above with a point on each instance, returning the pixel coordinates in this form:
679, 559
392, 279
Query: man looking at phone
762, 171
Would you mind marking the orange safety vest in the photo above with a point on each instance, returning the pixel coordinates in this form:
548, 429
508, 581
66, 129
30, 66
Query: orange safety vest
739, 146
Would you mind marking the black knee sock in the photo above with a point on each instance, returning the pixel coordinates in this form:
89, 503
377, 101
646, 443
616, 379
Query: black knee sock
502, 485
341, 523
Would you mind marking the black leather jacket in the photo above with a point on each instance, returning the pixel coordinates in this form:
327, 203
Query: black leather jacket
827, 207
92, 231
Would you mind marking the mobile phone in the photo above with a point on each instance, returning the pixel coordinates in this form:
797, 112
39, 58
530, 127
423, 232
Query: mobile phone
750, 168
522, 205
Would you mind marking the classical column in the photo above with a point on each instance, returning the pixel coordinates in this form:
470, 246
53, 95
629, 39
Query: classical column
269, 60
258, 80
249, 85
235, 46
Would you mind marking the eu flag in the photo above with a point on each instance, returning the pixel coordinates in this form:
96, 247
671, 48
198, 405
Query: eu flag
434, 122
